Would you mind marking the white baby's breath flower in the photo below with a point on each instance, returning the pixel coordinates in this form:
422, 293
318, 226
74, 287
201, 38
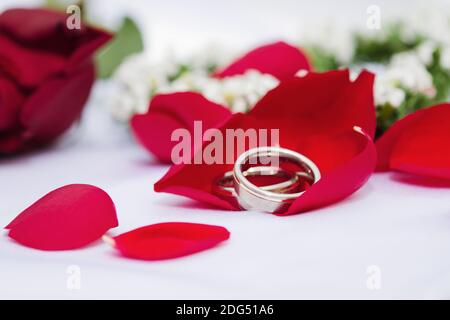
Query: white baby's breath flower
445, 58
408, 71
239, 93
405, 71
136, 79
249, 87
385, 92
425, 52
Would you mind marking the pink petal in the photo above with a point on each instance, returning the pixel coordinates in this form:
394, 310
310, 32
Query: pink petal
168, 112
169, 240
418, 144
67, 218
279, 59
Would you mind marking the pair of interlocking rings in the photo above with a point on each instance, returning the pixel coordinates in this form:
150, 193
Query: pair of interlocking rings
273, 197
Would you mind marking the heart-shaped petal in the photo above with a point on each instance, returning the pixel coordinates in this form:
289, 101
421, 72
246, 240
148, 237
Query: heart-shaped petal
67, 218
168, 112
279, 59
168, 240
418, 144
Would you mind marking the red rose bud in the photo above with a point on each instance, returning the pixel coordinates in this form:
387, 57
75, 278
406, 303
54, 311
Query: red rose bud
46, 75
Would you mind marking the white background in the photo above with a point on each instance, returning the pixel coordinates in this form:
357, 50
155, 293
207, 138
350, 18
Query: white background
403, 229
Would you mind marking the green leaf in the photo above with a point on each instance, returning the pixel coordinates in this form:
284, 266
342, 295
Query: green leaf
62, 5
128, 40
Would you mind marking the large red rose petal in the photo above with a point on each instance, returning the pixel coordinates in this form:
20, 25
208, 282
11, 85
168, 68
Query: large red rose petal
67, 218
418, 144
346, 162
195, 181
168, 240
168, 112
51, 110
279, 59
320, 102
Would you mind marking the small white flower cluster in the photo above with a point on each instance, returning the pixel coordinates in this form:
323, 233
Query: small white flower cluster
239, 93
136, 81
405, 71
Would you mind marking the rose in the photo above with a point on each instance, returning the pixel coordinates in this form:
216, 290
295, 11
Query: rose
168, 112
46, 74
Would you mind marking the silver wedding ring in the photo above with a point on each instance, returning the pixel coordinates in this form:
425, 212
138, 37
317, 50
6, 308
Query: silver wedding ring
273, 197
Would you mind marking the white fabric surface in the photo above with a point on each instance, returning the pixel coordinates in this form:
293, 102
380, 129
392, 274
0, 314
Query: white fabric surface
402, 229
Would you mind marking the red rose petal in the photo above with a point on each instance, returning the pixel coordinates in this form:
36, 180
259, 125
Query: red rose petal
67, 218
320, 102
195, 181
418, 144
153, 132
10, 142
169, 240
168, 112
28, 67
10, 102
279, 59
54, 107
354, 158
40, 23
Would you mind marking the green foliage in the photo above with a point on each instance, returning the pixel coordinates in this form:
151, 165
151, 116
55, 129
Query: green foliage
381, 48
321, 60
441, 78
127, 41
